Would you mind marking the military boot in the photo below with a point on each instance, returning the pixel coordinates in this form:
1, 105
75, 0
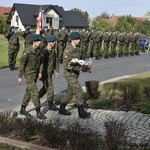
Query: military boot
39, 114
62, 110
52, 106
23, 111
82, 113
11, 67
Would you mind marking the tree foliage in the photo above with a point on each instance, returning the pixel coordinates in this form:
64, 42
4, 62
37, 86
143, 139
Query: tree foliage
3, 25
84, 13
126, 24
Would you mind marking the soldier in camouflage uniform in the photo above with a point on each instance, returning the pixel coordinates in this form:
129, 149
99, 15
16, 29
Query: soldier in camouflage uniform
133, 44
106, 39
43, 43
29, 67
50, 63
91, 43
27, 34
62, 41
114, 40
71, 76
138, 44
121, 44
13, 47
98, 45
126, 44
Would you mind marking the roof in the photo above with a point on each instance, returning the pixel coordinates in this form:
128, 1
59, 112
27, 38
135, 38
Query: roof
4, 10
28, 14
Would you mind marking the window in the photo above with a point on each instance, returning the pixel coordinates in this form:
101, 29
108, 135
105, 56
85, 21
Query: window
17, 20
49, 21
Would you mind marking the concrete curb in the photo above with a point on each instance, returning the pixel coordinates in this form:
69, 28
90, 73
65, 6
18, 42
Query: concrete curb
21, 144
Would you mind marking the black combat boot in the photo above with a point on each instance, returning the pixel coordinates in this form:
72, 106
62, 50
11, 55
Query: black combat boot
82, 113
62, 110
24, 112
39, 114
11, 67
52, 106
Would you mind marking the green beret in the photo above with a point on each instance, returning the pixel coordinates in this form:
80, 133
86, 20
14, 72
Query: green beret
74, 35
35, 37
46, 27
50, 38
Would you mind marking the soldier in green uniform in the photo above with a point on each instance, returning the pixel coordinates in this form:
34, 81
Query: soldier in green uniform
62, 41
126, 44
50, 63
138, 44
114, 40
29, 67
71, 76
43, 43
133, 44
13, 47
91, 43
106, 39
121, 44
98, 44
27, 34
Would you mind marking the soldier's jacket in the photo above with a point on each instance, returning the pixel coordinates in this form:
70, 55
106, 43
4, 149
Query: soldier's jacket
113, 38
49, 62
30, 63
85, 37
121, 37
98, 37
106, 37
62, 36
13, 40
43, 43
127, 38
69, 53
27, 37
133, 38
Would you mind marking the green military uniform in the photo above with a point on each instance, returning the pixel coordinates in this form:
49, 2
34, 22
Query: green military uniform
61, 45
121, 44
126, 44
91, 43
114, 40
30, 67
138, 44
133, 40
50, 63
13, 47
27, 34
98, 45
106, 39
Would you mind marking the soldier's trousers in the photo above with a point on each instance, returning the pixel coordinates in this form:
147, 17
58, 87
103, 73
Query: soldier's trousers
12, 55
48, 88
113, 48
32, 93
73, 89
97, 49
106, 48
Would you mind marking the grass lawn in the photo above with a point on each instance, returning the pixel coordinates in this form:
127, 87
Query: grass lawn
4, 52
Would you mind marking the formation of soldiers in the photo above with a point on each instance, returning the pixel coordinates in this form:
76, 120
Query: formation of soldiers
98, 44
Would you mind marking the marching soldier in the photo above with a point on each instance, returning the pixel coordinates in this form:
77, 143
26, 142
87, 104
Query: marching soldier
121, 44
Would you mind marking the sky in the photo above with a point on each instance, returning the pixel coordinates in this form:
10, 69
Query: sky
135, 8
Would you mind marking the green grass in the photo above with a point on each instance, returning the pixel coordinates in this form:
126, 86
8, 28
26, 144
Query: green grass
4, 52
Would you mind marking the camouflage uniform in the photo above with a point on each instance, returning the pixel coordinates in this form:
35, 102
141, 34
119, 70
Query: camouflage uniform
113, 39
62, 41
29, 67
27, 38
91, 43
126, 44
133, 44
106, 39
121, 44
13, 48
98, 45
71, 75
50, 63
138, 44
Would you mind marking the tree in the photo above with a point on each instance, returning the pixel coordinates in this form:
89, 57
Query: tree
3, 26
85, 14
104, 15
126, 23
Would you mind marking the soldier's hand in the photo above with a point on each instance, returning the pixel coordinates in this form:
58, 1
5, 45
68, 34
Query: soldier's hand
20, 81
40, 76
57, 74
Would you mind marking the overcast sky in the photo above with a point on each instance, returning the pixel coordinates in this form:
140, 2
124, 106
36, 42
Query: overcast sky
136, 8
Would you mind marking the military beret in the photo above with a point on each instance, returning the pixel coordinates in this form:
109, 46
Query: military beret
46, 27
74, 35
35, 37
50, 38
12, 27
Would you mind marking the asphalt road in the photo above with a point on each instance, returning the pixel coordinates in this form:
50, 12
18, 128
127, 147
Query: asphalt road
11, 93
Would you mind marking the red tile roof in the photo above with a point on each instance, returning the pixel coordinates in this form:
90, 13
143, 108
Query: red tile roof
4, 10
